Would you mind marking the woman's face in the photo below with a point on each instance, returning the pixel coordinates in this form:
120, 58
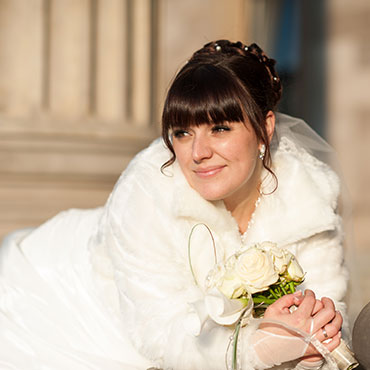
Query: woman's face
219, 161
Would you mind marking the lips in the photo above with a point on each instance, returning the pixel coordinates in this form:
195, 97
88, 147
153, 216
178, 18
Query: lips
208, 171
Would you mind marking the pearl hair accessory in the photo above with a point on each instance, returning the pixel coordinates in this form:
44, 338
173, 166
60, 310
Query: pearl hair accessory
262, 152
218, 47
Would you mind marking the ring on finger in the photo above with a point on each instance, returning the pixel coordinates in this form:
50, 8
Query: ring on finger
325, 333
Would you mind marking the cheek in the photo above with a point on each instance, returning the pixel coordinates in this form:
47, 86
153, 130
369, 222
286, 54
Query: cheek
242, 146
246, 170
245, 164
246, 156
182, 158
179, 153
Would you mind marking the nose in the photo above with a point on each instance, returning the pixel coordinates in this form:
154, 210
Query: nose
201, 148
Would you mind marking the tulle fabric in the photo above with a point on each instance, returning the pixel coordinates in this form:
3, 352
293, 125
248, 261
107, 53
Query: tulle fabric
286, 345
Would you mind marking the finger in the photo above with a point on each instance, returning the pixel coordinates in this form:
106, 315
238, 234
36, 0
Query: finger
328, 303
331, 344
283, 303
339, 317
318, 306
334, 343
311, 359
325, 315
333, 327
308, 303
323, 334
298, 299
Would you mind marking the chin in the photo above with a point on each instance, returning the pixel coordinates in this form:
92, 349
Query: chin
212, 196
212, 199
211, 192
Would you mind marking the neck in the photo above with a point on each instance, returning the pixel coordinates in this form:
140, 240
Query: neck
242, 206
243, 212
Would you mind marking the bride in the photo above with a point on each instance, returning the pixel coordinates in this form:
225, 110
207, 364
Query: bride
113, 287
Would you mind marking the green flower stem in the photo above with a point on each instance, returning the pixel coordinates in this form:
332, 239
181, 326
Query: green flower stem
274, 295
265, 300
235, 349
236, 336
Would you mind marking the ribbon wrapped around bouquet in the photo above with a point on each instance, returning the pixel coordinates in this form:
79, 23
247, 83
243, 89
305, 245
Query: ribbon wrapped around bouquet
249, 281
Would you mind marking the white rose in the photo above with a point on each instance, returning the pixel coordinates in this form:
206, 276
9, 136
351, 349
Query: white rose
295, 271
223, 277
255, 267
280, 257
231, 285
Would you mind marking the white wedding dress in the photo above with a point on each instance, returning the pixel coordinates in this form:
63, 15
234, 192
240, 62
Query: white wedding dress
72, 289
51, 314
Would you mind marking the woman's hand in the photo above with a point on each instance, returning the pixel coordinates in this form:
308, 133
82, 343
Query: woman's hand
317, 317
296, 311
329, 334
275, 343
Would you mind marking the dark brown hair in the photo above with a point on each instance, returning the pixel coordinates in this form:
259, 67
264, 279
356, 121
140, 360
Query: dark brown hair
223, 82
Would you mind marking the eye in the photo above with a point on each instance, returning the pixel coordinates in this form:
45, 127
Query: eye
179, 133
220, 128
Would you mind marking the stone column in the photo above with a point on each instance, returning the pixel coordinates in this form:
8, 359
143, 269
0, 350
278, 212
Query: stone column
82, 84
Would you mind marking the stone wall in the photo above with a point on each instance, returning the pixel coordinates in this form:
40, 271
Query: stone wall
81, 88
70, 82
349, 116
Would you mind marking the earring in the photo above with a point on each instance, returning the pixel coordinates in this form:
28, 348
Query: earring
262, 152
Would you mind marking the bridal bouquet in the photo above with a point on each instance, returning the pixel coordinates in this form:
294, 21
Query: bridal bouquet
248, 282
262, 273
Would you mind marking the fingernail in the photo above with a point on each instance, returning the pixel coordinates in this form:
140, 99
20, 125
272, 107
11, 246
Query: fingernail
297, 293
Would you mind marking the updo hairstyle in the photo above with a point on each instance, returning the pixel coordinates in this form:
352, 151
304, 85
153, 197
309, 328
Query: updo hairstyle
223, 82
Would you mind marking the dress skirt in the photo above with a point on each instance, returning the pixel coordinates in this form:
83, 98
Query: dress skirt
54, 313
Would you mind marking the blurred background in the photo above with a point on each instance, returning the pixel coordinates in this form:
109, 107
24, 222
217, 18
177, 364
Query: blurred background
82, 83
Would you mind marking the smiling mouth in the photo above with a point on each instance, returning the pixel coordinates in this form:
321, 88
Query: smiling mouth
208, 172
